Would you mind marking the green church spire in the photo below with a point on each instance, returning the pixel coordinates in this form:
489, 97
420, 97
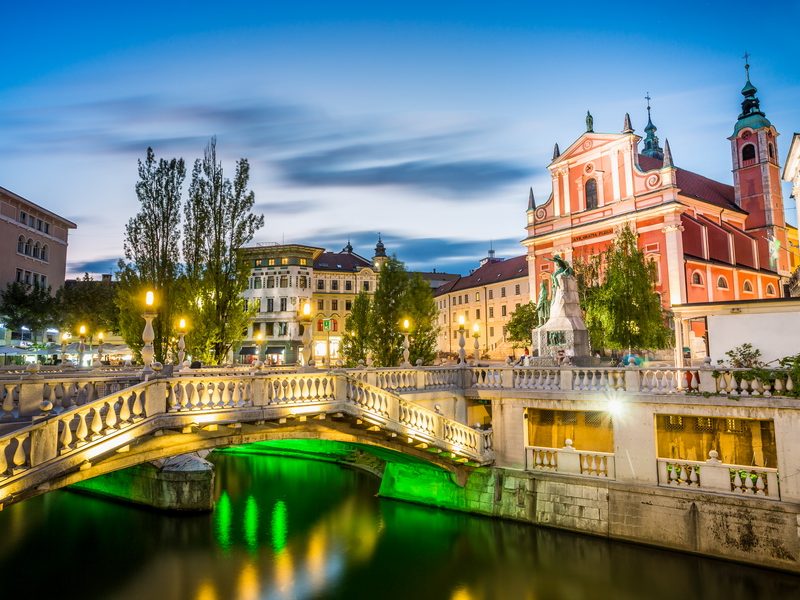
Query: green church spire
752, 116
651, 147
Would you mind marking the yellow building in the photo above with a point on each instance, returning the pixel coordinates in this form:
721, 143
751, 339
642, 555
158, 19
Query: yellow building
338, 278
794, 247
487, 297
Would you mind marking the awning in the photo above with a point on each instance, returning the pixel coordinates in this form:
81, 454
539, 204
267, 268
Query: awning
275, 350
248, 351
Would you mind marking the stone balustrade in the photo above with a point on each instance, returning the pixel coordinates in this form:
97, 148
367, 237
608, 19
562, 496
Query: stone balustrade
570, 461
715, 476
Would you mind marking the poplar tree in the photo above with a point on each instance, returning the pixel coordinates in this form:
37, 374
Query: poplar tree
356, 338
152, 258
218, 221
419, 307
386, 340
624, 310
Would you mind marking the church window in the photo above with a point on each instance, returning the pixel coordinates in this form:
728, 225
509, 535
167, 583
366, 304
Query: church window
770, 289
697, 278
771, 151
748, 287
748, 152
591, 194
722, 283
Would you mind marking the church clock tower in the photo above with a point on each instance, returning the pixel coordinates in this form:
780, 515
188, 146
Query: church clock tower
757, 179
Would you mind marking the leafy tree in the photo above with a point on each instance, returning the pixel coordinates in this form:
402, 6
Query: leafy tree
152, 253
623, 311
420, 308
29, 306
218, 221
386, 340
356, 338
88, 302
520, 326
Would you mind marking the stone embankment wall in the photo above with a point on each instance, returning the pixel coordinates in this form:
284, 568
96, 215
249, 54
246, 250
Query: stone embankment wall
756, 531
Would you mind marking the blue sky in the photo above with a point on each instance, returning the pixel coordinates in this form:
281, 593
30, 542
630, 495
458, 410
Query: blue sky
425, 121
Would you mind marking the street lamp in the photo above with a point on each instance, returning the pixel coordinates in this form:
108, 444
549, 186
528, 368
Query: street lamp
308, 361
476, 333
64, 341
462, 354
406, 353
148, 335
258, 362
181, 342
82, 345
99, 349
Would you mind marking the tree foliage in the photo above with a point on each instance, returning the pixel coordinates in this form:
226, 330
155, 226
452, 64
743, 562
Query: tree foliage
90, 303
218, 221
623, 310
28, 306
356, 337
386, 340
420, 308
152, 258
519, 329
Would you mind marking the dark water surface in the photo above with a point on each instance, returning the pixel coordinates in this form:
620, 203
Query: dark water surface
288, 528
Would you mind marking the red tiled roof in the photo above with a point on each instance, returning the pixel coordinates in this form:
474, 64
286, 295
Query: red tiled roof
341, 261
491, 272
696, 186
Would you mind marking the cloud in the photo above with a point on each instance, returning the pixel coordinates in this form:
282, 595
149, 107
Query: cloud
288, 207
99, 265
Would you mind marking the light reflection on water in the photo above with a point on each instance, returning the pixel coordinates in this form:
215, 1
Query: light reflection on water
293, 529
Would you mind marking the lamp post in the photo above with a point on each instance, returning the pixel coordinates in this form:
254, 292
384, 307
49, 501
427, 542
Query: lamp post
258, 362
99, 350
64, 341
462, 354
148, 335
82, 345
476, 333
181, 342
308, 361
406, 345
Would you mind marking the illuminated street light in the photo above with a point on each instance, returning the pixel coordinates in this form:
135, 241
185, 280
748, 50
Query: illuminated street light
308, 360
476, 333
181, 341
148, 335
462, 342
406, 345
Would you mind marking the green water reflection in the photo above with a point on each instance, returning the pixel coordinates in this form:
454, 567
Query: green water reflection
288, 528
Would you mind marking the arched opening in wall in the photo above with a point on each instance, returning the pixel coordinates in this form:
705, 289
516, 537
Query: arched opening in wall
21, 245
44, 252
591, 194
748, 287
29, 247
320, 326
770, 289
722, 283
771, 148
748, 152
697, 278
36, 250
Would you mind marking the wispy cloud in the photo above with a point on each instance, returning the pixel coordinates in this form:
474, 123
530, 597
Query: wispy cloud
100, 265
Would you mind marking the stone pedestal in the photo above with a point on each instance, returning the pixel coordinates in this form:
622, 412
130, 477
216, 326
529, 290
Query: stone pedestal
564, 337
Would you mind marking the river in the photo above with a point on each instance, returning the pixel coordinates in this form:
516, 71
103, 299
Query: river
292, 529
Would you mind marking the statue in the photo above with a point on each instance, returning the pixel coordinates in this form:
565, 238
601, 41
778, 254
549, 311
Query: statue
542, 306
589, 122
563, 269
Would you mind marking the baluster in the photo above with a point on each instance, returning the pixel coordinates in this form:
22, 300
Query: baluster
593, 465
789, 384
748, 483
66, 438
684, 477
111, 415
184, 395
138, 404
97, 423
743, 387
737, 481
124, 410
19, 459
3, 459
82, 431
694, 479
8, 401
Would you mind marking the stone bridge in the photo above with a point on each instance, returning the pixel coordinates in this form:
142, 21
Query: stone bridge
169, 416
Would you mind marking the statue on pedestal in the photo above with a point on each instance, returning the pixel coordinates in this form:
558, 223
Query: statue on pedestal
542, 306
564, 270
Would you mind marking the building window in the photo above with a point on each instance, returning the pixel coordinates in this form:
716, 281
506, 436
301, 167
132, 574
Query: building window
270, 304
491, 294
271, 281
771, 151
748, 287
491, 312
47, 228
366, 286
284, 261
302, 281
491, 331
21, 245
28, 277
284, 281
334, 325
304, 261
31, 220
19, 275
321, 285
748, 152
466, 315
271, 262
466, 298
697, 278
319, 325
44, 280
334, 305
502, 292
770, 289
455, 335
283, 304
348, 305
44, 254
477, 313
320, 304
256, 304
516, 290
257, 282
591, 194
29, 247
477, 296
39, 224
722, 283
503, 310
23, 217
335, 285
348, 285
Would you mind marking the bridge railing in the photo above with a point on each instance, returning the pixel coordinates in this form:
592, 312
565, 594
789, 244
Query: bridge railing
715, 476
72, 439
